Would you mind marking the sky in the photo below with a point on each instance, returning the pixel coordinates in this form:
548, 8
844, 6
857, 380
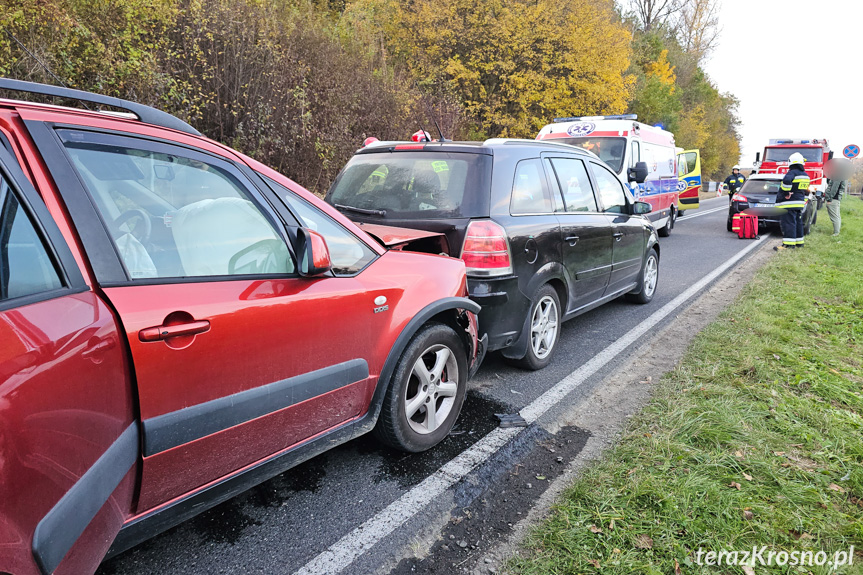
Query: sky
795, 68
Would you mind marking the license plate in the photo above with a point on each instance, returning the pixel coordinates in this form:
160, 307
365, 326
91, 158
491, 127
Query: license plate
762, 205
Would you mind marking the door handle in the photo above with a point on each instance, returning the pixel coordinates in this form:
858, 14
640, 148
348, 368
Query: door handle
572, 240
617, 235
163, 332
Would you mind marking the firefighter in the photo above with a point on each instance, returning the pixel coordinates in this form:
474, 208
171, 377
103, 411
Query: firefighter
835, 190
791, 197
734, 182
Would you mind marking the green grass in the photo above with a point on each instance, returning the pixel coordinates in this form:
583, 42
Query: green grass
772, 390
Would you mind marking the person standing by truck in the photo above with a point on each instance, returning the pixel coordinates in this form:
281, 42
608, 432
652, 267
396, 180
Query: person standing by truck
735, 181
792, 198
835, 191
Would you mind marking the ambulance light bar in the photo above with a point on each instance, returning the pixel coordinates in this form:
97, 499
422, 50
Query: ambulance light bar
594, 118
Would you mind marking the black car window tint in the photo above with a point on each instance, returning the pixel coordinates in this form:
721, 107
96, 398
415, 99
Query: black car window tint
529, 195
348, 254
176, 217
575, 184
26, 268
610, 190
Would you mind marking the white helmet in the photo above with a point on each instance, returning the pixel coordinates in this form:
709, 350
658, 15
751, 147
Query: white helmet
796, 158
736, 167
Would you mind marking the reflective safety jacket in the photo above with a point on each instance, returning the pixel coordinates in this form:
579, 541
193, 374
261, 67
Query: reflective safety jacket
795, 186
734, 183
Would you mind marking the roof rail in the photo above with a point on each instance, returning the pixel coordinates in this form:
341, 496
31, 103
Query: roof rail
144, 113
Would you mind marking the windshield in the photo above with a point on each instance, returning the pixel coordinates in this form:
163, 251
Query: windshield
782, 154
609, 150
760, 187
414, 185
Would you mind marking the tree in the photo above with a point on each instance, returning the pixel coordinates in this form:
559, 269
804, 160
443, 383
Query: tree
654, 13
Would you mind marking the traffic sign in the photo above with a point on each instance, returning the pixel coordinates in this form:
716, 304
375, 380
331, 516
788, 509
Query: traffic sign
851, 151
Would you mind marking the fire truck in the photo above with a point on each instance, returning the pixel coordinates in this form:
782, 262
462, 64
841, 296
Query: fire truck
777, 152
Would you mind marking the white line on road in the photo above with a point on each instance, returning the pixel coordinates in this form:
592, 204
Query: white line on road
696, 214
353, 545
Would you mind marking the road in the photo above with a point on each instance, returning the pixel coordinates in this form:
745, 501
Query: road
286, 524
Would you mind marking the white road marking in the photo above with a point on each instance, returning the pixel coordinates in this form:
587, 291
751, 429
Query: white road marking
353, 545
688, 217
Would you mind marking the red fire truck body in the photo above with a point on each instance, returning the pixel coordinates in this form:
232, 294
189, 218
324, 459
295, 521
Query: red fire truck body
777, 152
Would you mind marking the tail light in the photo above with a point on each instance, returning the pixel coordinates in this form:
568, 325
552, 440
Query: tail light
739, 198
486, 250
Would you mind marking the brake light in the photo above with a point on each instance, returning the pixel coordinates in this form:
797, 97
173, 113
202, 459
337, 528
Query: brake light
410, 147
486, 251
739, 198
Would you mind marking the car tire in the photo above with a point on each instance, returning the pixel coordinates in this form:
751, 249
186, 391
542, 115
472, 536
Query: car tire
665, 230
543, 330
432, 371
648, 280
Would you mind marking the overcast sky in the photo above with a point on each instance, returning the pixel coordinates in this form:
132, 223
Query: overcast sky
794, 66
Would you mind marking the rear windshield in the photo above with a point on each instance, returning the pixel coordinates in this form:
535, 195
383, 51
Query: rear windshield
760, 187
782, 154
424, 185
609, 150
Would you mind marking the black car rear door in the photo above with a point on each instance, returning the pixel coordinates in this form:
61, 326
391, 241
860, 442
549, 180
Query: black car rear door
586, 246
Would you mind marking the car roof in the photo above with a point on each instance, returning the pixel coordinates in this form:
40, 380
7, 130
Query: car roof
766, 176
478, 147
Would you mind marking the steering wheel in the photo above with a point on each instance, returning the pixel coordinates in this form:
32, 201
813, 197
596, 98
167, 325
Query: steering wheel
132, 214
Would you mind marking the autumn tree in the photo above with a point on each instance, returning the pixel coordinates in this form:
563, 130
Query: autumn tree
513, 65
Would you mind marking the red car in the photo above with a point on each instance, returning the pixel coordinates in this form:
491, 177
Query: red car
178, 323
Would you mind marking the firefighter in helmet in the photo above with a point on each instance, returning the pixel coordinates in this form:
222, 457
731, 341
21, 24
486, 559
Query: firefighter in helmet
792, 198
734, 182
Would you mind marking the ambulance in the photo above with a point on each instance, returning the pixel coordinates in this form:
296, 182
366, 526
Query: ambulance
622, 142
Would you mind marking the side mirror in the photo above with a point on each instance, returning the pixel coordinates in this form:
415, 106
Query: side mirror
313, 253
757, 157
641, 208
638, 174
830, 156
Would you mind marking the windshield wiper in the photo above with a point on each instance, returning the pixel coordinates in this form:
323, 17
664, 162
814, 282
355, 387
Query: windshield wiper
381, 213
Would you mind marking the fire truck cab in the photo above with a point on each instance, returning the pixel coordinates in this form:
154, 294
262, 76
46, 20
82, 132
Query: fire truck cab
622, 142
777, 152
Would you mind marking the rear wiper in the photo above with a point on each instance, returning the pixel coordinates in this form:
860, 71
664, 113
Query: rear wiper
382, 213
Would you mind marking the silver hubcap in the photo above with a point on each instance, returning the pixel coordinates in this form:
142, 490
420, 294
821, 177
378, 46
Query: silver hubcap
651, 274
543, 327
431, 390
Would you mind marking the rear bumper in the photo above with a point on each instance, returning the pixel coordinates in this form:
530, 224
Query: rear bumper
504, 308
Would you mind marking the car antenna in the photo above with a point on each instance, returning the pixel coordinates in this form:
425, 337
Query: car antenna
38, 61
429, 112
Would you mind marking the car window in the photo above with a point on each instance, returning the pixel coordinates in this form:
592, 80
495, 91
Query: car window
529, 194
635, 153
610, 190
575, 185
348, 254
26, 268
173, 217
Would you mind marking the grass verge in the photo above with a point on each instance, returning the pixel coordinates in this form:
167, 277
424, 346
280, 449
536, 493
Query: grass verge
754, 440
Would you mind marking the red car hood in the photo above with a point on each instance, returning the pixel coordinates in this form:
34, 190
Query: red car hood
397, 238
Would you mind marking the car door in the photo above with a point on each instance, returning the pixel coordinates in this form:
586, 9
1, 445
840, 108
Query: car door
231, 348
586, 246
689, 173
627, 230
68, 439
533, 229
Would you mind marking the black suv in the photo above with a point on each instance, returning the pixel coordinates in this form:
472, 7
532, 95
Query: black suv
547, 231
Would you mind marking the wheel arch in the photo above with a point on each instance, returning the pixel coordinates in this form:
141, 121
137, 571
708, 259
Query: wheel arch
444, 311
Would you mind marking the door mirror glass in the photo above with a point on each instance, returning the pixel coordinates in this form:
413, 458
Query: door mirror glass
314, 255
639, 173
641, 208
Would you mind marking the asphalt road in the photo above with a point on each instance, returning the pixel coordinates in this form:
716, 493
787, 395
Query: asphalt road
284, 523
